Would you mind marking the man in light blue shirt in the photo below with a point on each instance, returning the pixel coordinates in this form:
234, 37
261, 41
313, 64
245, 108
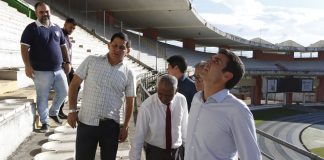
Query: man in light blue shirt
220, 126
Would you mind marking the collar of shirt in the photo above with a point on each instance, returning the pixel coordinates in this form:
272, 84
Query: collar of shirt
183, 77
40, 24
219, 96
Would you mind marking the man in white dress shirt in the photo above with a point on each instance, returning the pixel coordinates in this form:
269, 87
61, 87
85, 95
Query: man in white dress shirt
151, 132
220, 125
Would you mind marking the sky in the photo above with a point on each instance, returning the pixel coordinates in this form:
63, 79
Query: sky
273, 20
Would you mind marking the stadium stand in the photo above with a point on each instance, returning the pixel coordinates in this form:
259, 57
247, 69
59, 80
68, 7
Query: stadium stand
85, 42
17, 95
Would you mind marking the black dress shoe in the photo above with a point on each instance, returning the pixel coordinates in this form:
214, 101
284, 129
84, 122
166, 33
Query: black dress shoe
62, 115
44, 128
57, 119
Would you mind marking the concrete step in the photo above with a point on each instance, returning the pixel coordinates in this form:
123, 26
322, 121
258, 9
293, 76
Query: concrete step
22, 93
8, 86
17, 74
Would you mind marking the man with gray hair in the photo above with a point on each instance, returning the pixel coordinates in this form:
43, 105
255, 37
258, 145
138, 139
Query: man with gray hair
161, 123
197, 75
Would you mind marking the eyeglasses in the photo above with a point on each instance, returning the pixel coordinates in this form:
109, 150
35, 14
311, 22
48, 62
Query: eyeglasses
196, 78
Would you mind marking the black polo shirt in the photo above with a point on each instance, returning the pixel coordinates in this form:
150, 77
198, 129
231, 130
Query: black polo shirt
44, 46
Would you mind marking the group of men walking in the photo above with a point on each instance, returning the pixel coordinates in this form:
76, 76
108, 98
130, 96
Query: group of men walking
176, 122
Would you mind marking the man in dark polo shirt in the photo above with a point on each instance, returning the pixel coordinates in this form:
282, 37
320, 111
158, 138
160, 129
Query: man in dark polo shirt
177, 67
44, 51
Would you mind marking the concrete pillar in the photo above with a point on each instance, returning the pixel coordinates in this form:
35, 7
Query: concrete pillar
321, 55
289, 97
150, 33
256, 54
257, 91
189, 43
109, 17
320, 89
99, 16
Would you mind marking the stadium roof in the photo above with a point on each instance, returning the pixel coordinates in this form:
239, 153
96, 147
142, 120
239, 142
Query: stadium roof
290, 43
260, 40
176, 20
318, 44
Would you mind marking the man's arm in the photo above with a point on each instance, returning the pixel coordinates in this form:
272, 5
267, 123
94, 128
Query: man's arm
184, 122
129, 110
24, 54
141, 128
66, 59
73, 97
244, 133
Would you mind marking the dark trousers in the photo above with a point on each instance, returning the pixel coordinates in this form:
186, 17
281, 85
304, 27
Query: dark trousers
88, 137
156, 153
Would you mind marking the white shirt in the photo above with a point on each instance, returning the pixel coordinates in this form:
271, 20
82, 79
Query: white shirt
219, 128
105, 87
150, 125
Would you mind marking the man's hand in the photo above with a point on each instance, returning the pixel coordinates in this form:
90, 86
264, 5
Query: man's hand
29, 72
72, 119
123, 134
67, 68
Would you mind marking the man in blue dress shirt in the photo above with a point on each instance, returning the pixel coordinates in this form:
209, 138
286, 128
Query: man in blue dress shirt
220, 126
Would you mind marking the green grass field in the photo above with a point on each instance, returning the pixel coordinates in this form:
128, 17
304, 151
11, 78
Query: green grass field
318, 151
269, 114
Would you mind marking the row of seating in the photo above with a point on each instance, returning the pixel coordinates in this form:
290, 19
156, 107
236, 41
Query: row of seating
12, 75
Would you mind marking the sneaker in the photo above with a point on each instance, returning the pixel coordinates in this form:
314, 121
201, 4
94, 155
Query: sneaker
62, 115
57, 119
44, 128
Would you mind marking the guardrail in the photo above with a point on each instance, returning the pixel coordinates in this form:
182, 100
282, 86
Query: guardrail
148, 81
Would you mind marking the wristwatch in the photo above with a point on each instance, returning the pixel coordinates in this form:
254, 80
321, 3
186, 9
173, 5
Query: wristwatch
72, 110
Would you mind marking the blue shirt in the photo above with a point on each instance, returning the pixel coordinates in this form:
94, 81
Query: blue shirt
187, 87
44, 46
219, 128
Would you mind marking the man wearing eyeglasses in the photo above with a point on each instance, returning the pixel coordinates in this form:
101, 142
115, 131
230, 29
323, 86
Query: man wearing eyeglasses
107, 80
197, 75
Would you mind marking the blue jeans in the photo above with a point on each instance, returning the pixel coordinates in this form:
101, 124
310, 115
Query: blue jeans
88, 137
44, 82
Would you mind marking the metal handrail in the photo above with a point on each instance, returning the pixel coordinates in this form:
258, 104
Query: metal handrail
290, 146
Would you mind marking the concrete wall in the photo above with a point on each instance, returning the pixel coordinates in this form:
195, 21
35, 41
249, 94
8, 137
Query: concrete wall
15, 128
